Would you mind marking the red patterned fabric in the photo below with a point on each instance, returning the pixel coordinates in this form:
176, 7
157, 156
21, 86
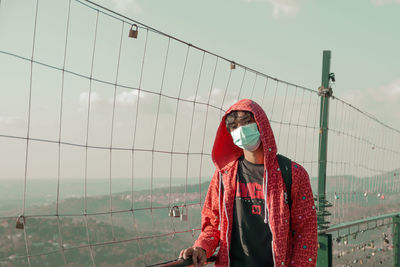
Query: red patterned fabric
298, 249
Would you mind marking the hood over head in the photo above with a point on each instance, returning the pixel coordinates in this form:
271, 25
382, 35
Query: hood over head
226, 152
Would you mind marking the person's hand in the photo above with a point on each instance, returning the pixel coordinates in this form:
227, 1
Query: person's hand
198, 255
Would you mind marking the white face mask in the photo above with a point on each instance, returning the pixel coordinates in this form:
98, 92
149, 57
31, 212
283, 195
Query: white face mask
247, 137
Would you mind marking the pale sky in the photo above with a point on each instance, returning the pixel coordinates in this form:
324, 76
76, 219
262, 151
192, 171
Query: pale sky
281, 38
285, 39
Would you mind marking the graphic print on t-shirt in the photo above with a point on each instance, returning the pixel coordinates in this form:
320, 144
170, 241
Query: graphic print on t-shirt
256, 209
251, 192
251, 236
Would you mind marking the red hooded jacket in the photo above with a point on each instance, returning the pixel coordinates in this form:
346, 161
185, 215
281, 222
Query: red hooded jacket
293, 245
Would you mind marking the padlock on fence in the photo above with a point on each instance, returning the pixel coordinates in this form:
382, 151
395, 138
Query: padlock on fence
174, 212
133, 33
184, 213
20, 222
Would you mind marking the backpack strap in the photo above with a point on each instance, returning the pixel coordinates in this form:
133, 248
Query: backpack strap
285, 164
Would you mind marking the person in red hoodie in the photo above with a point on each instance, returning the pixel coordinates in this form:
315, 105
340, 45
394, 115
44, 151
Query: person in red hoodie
249, 230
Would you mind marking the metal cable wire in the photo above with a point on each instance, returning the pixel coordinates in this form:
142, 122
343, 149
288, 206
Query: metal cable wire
350, 129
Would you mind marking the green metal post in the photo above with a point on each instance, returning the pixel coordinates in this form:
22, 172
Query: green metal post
325, 240
396, 241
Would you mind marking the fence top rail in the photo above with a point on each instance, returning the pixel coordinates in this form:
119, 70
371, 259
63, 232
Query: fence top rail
346, 225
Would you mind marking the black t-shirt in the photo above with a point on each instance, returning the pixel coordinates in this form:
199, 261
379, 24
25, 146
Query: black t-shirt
251, 237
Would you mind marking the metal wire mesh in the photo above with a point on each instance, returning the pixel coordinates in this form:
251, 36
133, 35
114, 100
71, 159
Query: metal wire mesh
111, 132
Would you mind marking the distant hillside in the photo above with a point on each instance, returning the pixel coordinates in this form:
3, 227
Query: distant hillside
43, 235
43, 192
347, 183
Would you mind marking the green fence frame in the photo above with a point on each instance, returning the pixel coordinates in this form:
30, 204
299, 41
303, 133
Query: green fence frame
324, 239
324, 230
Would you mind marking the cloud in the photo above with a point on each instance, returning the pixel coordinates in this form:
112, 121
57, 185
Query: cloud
393, 89
11, 123
126, 6
382, 102
84, 98
230, 98
387, 94
95, 98
283, 8
124, 99
8, 121
127, 98
385, 2
216, 92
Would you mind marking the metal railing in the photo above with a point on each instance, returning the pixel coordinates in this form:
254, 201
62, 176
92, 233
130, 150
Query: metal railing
347, 232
